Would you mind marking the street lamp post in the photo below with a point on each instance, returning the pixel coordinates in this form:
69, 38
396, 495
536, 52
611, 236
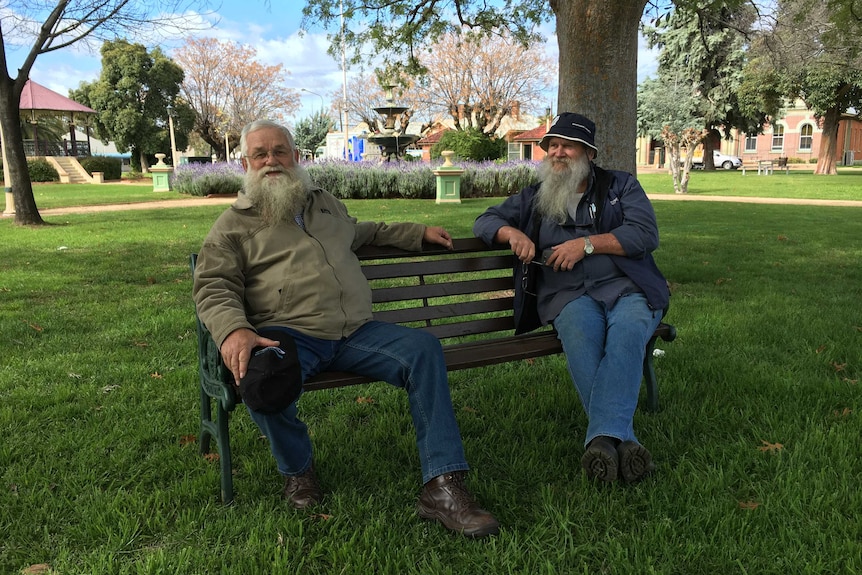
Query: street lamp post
173, 138
319, 96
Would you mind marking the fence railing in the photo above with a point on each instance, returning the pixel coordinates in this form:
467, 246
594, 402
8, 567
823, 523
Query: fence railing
34, 148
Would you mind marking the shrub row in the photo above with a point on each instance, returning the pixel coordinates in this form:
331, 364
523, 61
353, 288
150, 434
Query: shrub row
367, 180
41, 171
112, 168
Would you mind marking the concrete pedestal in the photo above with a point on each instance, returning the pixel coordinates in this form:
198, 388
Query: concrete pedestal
448, 180
161, 175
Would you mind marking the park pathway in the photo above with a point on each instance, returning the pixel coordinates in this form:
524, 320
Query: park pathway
199, 201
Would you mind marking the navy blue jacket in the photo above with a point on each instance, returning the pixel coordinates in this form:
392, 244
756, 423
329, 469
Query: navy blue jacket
624, 211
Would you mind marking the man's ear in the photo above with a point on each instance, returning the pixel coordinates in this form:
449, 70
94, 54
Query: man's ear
244, 163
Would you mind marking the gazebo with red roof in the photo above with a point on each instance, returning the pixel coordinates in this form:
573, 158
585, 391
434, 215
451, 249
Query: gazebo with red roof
37, 101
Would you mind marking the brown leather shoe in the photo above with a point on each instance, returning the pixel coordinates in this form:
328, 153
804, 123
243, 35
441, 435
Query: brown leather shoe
601, 460
302, 491
446, 499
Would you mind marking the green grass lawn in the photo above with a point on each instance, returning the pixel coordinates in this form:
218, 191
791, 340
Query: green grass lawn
757, 440
55, 195
847, 185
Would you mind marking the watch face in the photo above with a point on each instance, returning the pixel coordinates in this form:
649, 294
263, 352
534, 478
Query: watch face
588, 246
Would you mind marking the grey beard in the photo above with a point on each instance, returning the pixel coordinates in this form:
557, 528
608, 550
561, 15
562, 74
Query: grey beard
559, 187
279, 198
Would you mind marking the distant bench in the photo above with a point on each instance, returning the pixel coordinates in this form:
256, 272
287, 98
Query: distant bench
766, 167
463, 296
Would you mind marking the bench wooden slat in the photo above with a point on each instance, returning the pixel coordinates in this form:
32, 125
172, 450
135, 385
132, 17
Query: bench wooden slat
436, 312
459, 246
471, 327
454, 288
436, 267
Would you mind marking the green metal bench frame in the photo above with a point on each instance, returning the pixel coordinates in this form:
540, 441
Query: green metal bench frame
465, 293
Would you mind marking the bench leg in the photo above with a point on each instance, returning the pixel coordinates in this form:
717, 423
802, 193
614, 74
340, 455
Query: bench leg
650, 378
219, 430
225, 457
207, 428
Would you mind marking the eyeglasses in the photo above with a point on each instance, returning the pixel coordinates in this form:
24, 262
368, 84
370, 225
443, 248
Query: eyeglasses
279, 155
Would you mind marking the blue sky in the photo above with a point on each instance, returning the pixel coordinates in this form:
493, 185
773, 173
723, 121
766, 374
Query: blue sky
272, 28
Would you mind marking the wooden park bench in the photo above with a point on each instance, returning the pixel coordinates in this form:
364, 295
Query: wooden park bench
463, 296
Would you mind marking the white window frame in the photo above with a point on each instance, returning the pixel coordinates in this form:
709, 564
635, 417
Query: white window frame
778, 138
806, 138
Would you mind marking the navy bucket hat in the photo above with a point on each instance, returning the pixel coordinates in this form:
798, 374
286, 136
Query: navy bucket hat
574, 127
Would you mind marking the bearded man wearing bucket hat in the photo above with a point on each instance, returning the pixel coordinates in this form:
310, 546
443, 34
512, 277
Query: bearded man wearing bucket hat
280, 289
583, 238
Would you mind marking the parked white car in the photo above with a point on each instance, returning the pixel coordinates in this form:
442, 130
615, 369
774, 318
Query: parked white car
720, 160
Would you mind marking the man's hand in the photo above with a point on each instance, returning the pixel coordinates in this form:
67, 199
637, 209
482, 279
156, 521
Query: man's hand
437, 235
236, 350
565, 255
522, 246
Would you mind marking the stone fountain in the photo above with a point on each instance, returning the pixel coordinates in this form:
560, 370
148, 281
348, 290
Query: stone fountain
392, 141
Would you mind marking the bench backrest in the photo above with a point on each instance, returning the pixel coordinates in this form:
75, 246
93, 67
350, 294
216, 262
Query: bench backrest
466, 291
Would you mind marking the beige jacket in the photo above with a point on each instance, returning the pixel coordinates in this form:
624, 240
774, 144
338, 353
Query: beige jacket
250, 275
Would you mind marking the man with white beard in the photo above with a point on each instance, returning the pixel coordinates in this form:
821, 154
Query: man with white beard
277, 282
584, 239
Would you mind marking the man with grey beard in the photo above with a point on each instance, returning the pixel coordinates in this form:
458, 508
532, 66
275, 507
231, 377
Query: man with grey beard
583, 239
279, 287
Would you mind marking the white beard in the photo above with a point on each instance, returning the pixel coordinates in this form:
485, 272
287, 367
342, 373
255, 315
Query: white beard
560, 187
278, 198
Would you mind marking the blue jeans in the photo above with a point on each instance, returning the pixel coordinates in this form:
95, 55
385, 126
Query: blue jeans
408, 358
605, 351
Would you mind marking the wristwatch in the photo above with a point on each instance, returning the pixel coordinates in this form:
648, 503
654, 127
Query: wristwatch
588, 246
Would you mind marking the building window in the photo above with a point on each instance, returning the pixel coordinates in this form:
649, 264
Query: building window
751, 142
514, 151
777, 138
806, 136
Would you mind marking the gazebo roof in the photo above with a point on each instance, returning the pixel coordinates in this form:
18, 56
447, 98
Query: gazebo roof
40, 100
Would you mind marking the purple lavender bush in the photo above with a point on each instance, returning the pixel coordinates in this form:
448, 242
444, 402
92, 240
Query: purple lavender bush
369, 180
208, 179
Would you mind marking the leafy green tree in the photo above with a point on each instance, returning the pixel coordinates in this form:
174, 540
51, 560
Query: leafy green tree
48, 26
668, 109
310, 133
813, 51
707, 43
132, 96
470, 144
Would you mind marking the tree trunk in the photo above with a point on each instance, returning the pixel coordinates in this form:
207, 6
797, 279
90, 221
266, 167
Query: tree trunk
599, 41
26, 212
828, 143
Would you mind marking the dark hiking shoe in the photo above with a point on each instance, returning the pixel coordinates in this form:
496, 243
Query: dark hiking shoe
446, 499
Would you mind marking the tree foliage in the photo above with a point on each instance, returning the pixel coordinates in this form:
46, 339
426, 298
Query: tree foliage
469, 144
44, 27
227, 87
813, 51
132, 96
708, 46
310, 133
668, 109
598, 44
478, 81
400, 31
